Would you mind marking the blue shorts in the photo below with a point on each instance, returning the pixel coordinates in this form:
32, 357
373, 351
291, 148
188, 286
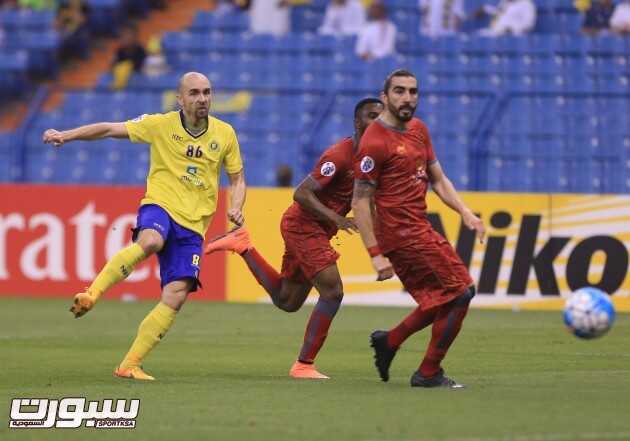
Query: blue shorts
181, 256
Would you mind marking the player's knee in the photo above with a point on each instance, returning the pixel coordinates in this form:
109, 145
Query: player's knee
176, 293
335, 294
151, 243
288, 306
174, 300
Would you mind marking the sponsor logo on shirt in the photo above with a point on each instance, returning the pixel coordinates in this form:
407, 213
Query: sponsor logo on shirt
177, 138
191, 170
194, 180
328, 169
367, 164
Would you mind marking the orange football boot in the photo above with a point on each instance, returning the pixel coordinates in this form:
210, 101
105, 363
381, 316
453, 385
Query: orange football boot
83, 302
236, 240
305, 370
134, 373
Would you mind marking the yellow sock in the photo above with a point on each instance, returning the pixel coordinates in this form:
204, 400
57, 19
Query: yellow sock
117, 269
150, 332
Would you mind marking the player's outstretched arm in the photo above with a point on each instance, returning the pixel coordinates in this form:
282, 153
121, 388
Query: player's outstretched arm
445, 189
362, 208
238, 190
306, 197
86, 133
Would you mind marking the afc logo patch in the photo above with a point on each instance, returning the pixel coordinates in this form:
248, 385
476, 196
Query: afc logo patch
367, 164
328, 169
214, 146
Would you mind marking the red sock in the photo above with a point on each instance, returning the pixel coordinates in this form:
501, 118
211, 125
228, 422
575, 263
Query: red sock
264, 273
317, 328
411, 324
448, 322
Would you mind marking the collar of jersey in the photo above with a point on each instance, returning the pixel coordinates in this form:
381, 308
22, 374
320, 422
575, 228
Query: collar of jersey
181, 119
387, 126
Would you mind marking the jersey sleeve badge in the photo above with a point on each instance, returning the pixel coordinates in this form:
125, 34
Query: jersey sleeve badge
367, 164
328, 169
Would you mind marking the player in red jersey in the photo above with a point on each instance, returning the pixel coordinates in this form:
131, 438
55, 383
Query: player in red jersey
322, 201
393, 170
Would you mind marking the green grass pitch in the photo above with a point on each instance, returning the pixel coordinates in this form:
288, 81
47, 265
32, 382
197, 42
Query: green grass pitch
222, 375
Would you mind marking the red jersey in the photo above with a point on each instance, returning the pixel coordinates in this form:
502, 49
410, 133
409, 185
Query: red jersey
334, 172
396, 162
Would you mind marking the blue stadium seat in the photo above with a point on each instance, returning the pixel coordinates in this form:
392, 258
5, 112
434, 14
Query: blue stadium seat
542, 112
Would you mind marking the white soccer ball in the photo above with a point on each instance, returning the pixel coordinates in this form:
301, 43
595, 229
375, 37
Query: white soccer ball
589, 313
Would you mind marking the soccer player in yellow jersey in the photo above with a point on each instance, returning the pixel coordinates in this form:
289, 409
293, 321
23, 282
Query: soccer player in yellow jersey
188, 149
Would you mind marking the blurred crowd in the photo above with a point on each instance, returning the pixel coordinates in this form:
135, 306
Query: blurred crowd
367, 20
376, 33
71, 22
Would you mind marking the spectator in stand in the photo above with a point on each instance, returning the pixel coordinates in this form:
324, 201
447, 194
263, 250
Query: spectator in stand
130, 48
269, 17
378, 38
130, 57
37, 5
343, 17
441, 17
597, 17
516, 17
620, 20
155, 63
71, 23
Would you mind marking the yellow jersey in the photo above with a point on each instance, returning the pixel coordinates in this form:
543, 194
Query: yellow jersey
185, 169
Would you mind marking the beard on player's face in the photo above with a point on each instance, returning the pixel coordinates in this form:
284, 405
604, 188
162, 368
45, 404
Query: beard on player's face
403, 113
196, 109
201, 112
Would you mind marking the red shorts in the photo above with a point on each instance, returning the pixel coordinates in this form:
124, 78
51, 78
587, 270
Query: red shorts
430, 270
307, 250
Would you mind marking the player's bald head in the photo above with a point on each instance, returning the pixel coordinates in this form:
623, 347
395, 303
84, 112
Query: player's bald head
192, 80
194, 95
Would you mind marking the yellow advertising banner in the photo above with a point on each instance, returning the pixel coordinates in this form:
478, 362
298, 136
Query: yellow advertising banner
538, 249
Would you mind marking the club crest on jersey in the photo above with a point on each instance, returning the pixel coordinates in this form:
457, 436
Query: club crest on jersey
421, 171
328, 169
367, 164
214, 146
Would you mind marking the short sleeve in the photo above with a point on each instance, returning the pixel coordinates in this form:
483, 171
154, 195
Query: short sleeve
232, 161
431, 158
327, 168
370, 158
142, 128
